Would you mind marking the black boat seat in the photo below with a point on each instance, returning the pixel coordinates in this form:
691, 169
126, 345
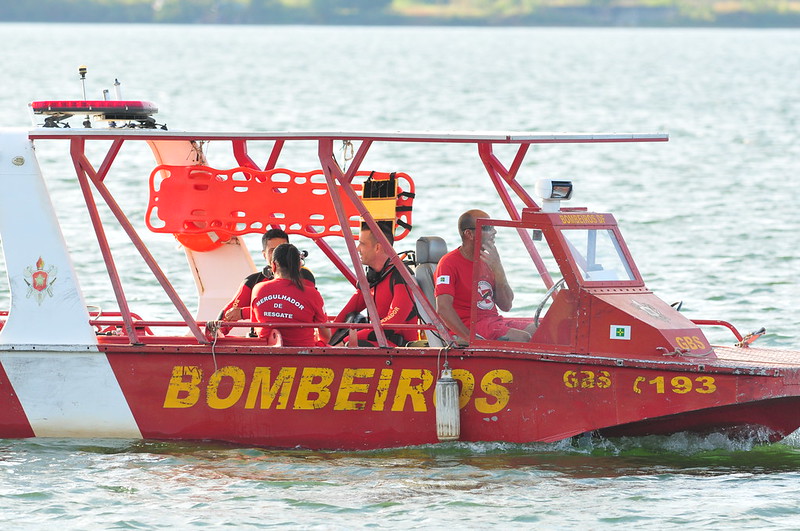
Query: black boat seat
430, 249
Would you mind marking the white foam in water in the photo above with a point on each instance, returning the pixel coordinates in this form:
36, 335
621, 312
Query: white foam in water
792, 440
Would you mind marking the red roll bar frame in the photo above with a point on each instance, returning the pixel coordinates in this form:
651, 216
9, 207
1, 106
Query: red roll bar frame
500, 176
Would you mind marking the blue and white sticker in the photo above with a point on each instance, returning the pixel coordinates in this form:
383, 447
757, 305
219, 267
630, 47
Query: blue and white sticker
443, 279
620, 332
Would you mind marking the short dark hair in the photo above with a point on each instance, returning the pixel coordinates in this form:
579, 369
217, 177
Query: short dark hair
465, 221
387, 228
272, 234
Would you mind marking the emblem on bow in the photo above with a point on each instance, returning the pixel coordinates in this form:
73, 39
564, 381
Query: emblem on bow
39, 281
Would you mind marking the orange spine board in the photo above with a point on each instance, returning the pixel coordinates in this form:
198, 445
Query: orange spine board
201, 199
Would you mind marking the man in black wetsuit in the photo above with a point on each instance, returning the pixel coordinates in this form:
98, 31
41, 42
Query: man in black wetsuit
393, 299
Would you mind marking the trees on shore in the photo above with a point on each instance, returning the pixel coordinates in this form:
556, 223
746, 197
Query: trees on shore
474, 12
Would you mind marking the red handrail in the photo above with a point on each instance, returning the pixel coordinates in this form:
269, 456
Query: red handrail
715, 322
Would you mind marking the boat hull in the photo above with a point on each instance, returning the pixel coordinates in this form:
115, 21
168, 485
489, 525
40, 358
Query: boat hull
764, 420
379, 398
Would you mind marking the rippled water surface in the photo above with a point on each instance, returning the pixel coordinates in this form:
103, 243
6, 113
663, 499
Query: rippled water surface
655, 482
712, 218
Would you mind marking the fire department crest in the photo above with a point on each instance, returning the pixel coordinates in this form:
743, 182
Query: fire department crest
39, 281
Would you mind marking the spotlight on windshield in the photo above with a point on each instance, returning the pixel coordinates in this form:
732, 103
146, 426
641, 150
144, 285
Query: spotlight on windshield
552, 193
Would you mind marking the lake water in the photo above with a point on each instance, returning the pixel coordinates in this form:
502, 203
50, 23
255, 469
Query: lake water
712, 218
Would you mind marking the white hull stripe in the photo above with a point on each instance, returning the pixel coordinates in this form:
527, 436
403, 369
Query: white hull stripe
69, 394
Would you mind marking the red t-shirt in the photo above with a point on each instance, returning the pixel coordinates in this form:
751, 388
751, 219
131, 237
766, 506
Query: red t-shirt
279, 300
454, 277
243, 297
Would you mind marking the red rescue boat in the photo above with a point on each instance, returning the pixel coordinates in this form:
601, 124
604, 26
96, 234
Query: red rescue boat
605, 354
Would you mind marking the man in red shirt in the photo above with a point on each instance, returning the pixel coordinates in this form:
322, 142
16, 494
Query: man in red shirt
454, 287
393, 299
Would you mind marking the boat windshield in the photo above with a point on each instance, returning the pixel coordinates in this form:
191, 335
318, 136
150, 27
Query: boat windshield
598, 255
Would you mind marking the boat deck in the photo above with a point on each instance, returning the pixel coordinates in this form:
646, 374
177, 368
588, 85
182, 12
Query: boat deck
757, 357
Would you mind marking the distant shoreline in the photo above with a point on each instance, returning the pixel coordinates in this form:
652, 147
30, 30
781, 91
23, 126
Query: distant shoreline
448, 23
100, 11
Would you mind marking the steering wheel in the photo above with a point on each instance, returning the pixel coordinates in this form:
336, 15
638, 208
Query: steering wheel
547, 295
341, 333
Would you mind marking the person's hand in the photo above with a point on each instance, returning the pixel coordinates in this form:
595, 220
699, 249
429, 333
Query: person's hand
460, 341
234, 314
212, 330
490, 256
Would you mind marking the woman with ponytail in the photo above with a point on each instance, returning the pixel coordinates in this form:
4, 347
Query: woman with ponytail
289, 298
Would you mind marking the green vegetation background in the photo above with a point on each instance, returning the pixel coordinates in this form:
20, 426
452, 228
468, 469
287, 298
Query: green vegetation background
474, 12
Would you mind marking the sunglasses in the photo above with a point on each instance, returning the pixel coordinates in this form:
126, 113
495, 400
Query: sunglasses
485, 228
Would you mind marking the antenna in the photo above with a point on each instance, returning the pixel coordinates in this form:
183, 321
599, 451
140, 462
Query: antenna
82, 72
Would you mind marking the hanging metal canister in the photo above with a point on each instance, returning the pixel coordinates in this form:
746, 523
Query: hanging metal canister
448, 420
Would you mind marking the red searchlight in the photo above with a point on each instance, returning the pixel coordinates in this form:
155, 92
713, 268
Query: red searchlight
115, 109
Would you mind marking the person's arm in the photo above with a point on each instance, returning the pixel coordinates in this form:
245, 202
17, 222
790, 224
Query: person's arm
235, 309
324, 333
238, 308
444, 307
447, 278
355, 304
401, 308
503, 294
